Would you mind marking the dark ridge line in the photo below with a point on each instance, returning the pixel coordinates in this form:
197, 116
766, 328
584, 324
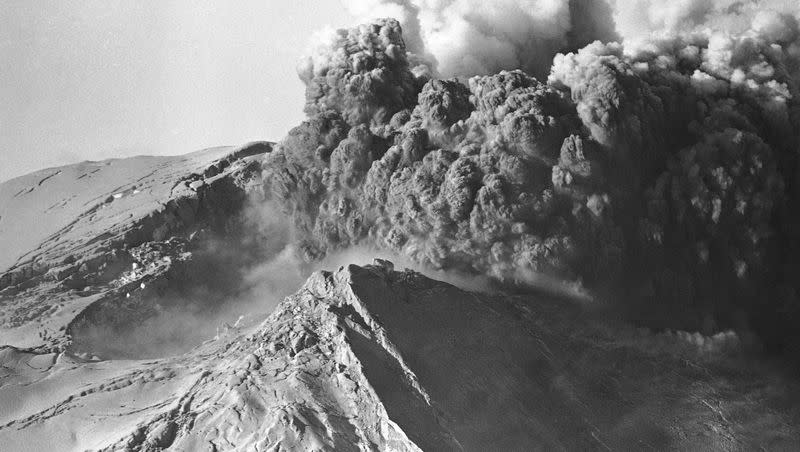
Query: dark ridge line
48, 177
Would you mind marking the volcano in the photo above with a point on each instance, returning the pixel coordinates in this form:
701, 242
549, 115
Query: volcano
360, 357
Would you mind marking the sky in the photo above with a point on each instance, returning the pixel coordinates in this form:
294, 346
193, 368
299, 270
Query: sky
94, 79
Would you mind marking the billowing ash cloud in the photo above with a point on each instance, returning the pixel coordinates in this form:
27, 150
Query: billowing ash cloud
363, 73
662, 170
475, 37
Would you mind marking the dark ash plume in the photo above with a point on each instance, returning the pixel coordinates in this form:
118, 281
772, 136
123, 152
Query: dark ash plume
664, 171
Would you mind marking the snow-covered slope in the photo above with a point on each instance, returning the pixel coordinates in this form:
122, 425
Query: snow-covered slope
367, 358
68, 233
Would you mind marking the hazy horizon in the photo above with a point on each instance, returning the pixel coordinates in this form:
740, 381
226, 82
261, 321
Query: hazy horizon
91, 80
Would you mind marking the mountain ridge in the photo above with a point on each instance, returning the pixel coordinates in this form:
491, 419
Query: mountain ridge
336, 367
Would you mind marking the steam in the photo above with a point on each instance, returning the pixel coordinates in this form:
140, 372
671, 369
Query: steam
640, 20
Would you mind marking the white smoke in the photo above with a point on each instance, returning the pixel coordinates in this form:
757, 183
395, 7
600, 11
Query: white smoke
475, 37
638, 20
